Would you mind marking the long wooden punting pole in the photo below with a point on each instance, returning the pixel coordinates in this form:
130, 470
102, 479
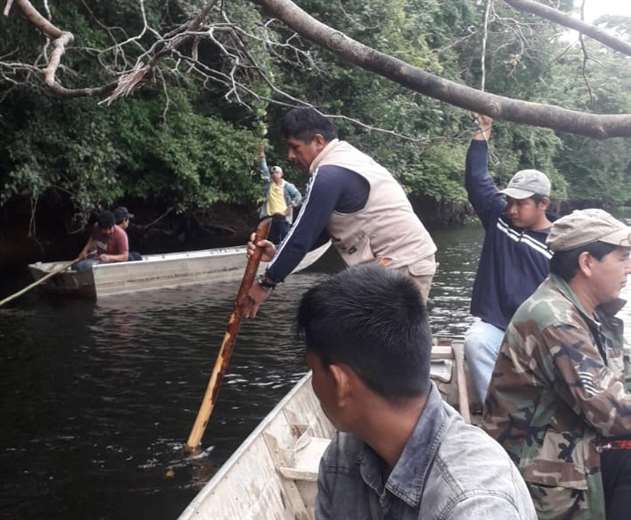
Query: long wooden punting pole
37, 282
229, 339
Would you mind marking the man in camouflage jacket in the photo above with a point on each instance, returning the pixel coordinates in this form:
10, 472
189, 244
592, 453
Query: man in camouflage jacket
557, 394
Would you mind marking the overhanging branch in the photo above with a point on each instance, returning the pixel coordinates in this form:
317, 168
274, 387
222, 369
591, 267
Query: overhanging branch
554, 15
499, 107
59, 39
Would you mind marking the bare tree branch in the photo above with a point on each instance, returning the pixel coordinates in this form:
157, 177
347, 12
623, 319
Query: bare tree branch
171, 42
585, 58
59, 39
582, 27
498, 107
485, 37
7, 7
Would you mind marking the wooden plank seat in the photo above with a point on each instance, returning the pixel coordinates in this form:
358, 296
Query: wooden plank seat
448, 352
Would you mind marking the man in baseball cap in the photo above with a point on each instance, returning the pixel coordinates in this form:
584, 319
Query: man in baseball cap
122, 216
514, 259
281, 197
526, 183
583, 227
557, 400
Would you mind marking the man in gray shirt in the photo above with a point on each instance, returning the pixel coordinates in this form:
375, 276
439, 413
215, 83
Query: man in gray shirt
401, 452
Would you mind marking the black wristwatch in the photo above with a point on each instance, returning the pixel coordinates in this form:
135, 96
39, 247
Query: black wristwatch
265, 282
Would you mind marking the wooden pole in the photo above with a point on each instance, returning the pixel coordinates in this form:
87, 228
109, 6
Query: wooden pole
227, 345
37, 282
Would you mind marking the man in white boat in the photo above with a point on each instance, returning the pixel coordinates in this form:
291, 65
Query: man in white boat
559, 401
514, 258
351, 200
281, 197
107, 243
122, 216
401, 451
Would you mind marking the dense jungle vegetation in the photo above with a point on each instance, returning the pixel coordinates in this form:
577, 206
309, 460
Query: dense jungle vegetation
180, 143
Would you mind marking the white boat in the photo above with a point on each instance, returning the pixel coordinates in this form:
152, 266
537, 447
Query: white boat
154, 272
273, 474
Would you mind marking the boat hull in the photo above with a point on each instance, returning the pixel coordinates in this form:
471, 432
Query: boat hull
153, 272
249, 486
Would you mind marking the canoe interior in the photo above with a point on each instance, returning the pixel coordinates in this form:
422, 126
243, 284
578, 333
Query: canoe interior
261, 481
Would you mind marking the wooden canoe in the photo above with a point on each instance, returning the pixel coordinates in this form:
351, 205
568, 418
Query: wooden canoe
154, 272
273, 474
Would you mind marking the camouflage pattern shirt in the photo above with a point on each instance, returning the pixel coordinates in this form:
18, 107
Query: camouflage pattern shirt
557, 390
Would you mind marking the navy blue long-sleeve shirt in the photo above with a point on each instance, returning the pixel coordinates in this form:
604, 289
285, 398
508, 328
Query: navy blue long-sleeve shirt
331, 188
513, 261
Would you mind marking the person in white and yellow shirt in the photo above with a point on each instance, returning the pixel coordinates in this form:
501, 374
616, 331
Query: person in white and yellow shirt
281, 198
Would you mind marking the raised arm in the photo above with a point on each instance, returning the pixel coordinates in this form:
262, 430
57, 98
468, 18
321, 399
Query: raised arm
484, 196
263, 168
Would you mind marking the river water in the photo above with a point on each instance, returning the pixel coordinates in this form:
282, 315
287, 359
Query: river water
97, 399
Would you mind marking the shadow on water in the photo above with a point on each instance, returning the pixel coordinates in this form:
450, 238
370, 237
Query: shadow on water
97, 399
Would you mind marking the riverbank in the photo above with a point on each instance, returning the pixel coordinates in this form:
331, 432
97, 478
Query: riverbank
53, 232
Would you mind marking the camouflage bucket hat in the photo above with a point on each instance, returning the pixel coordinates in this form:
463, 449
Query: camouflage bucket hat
526, 183
585, 226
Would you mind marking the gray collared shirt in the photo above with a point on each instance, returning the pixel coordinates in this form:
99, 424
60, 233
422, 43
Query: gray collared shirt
448, 470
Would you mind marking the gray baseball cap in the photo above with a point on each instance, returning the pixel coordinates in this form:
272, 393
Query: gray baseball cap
526, 183
584, 226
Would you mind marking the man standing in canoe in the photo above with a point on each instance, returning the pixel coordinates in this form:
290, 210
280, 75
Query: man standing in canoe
514, 259
352, 201
281, 197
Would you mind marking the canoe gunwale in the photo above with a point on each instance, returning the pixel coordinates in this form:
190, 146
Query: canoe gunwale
197, 503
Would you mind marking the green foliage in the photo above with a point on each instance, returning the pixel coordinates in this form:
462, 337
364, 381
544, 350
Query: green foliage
134, 149
196, 149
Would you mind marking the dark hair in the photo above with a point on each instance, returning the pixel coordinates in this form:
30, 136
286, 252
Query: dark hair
121, 214
538, 198
565, 263
373, 320
105, 219
305, 123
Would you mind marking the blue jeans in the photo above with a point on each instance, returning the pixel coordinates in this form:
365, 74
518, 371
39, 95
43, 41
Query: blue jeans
279, 229
481, 345
85, 265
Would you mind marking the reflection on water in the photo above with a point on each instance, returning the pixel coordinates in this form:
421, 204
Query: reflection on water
96, 400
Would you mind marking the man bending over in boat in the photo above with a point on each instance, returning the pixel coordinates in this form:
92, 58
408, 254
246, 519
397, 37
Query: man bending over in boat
559, 401
281, 197
350, 200
514, 259
401, 451
108, 243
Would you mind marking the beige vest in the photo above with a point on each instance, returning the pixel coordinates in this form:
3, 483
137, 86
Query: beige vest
387, 227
